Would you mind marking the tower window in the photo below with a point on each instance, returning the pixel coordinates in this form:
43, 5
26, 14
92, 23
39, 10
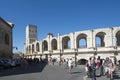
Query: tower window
6, 39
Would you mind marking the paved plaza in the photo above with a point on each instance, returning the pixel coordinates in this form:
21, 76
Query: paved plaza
47, 72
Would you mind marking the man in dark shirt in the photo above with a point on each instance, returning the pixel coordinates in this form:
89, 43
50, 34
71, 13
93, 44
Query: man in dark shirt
100, 61
93, 66
106, 65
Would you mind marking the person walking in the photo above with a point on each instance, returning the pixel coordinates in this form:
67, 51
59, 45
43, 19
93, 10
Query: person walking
99, 65
86, 68
89, 67
111, 68
93, 66
66, 60
106, 66
70, 65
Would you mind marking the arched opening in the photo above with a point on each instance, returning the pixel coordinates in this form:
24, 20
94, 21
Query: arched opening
37, 47
27, 49
98, 43
82, 41
100, 39
6, 39
66, 43
54, 44
69, 44
32, 48
118, 38
45, 45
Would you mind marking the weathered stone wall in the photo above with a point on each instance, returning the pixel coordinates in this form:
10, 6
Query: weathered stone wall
5, 44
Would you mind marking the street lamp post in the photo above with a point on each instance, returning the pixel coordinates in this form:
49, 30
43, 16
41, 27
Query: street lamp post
95, 53
115, 50
60, 57
76, 53
15, 47
50, 52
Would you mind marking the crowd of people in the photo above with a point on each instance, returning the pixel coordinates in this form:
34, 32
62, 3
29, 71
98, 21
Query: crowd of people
94, 65
103, 66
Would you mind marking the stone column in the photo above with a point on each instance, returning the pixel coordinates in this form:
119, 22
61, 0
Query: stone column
72, 39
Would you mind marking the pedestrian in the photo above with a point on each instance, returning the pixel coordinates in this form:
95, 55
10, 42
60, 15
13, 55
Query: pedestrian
111, 68
106, 66
66, 60
93, 66
115, 60
99, 65
70, 65
86, 68
89, 68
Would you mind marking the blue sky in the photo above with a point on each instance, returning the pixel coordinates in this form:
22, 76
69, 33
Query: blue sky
58, 16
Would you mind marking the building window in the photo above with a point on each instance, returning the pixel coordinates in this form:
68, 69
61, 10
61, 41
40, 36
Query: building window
66, 42
1, 35
81, 41
45, 45
6, 39
117, 37
100, 38
54, 44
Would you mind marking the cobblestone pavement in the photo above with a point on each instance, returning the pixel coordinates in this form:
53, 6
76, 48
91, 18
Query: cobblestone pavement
47, 72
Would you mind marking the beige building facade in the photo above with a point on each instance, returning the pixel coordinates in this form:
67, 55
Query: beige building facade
5, 38
104, 42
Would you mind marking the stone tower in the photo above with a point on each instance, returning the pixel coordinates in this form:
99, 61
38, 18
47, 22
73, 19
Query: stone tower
31, 33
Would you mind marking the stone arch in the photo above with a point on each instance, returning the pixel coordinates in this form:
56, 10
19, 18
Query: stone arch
6, 39
66, 42
45, 45
33, 48
27, 49
117, 37
81, 41
99, 39
37, 47
54, 44
30, 48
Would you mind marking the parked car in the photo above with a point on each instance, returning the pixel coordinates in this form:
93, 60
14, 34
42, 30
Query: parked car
17, 61
6, 63
1, 64
81, 62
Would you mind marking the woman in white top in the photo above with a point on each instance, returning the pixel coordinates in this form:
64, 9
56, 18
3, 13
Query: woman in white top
111, 68
70, 65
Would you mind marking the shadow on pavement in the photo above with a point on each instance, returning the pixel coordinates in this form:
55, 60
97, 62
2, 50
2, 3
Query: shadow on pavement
117, 77
33, 68
75, 72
